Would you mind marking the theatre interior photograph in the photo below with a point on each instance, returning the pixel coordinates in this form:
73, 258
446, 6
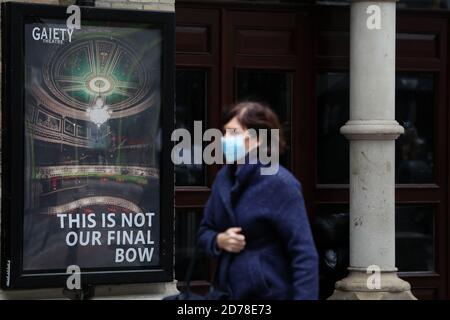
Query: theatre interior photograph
97, 93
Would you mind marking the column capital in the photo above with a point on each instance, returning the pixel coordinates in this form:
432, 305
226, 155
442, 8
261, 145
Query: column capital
372, 130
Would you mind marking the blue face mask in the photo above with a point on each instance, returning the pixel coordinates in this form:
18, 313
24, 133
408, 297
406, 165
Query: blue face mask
233, 147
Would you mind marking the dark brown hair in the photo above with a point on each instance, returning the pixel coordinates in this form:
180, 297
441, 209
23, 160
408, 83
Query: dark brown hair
255, 115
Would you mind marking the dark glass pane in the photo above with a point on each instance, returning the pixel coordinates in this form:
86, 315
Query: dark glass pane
420, 4
414, 238
415, 112
414, 241
333, 2
187, 222
436, 4
190, 106
331, 234
332, 113
274, 88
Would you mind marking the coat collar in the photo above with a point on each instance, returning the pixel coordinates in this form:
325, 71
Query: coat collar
234, 181
245, 172
224, 188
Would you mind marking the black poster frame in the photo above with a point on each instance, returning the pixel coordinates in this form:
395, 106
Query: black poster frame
13, 134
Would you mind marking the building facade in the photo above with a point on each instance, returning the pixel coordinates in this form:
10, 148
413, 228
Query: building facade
296, 56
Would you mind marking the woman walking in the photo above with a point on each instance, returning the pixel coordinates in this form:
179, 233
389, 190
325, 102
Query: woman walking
257, 224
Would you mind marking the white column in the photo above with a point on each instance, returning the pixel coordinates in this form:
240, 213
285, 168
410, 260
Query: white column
372, 131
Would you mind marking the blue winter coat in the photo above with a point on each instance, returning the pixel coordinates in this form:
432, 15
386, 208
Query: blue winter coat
279, 260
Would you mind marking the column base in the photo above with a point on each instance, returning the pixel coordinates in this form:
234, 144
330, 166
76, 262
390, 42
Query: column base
355, 287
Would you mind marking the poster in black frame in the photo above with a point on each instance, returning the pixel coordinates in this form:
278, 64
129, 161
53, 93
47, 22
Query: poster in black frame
87, 116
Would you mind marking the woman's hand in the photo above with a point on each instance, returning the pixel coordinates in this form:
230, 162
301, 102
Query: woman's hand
231, 240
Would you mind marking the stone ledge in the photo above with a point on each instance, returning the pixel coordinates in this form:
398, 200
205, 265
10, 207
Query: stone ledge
144, 291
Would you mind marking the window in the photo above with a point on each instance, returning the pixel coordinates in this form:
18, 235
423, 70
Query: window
414, 227
187, 222
274, 88
190, 107
415, 112
333, 89
423, 4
